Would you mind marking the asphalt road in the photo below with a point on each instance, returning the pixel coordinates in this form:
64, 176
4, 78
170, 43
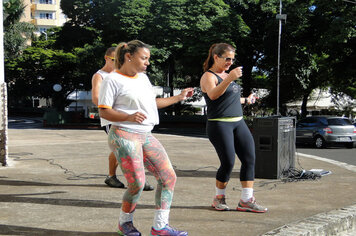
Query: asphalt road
341, 154
24, 122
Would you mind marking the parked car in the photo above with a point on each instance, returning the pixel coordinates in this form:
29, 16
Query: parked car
323, 130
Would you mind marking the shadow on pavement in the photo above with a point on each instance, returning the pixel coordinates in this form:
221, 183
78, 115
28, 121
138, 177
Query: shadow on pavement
32, 183
56, 201
198, 132
30, 231
25, 198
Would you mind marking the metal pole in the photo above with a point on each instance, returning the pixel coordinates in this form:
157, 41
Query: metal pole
43, 32
3, 95
279, 53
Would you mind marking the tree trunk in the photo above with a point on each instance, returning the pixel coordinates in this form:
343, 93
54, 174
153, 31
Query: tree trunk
247, 80
304, 105
171, 73
247, 84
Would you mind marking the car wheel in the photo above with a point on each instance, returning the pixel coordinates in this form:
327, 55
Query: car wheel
319, 142
349, 145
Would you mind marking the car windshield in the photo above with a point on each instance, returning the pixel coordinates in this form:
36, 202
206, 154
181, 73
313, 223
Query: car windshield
338, 121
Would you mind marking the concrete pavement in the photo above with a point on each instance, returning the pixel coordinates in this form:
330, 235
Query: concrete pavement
54, 185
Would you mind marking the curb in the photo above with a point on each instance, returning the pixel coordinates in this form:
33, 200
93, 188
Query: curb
330, 223
337, 222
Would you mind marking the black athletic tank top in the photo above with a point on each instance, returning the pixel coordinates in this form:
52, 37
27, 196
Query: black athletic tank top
227, 105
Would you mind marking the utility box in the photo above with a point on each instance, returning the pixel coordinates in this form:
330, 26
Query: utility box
275, 145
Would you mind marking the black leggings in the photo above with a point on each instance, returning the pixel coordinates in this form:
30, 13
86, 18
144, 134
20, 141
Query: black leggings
229, 138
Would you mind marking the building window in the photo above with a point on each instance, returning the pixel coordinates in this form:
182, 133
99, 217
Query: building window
41, 30
46, 15
46, 2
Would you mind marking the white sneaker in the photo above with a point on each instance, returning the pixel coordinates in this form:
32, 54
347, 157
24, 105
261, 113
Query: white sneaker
219, 203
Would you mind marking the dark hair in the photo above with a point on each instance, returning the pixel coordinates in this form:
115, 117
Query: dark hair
109, 51
216, 49
130, 47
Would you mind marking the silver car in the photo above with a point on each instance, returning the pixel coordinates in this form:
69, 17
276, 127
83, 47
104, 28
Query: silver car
323, 130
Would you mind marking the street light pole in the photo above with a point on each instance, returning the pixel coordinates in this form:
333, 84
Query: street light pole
280, 17
44, 32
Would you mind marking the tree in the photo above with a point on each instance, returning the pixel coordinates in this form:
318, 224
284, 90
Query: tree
183, 31
316, 51
35, 73
114, 21
318, 41
338, 39
313, 32
16, 33
254, 37
173, 28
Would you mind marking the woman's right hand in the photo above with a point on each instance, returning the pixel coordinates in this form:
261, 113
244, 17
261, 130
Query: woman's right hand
136, 117
235, 73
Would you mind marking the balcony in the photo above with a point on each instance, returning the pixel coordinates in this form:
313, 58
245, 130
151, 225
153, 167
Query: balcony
44, 7
47, 22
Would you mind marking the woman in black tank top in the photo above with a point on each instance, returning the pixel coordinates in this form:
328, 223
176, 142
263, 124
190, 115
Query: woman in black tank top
226, 129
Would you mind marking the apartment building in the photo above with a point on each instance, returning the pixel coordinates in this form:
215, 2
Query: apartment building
44, 14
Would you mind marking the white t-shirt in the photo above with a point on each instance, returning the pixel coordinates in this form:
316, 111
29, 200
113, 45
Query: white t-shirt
130, 95
103, 74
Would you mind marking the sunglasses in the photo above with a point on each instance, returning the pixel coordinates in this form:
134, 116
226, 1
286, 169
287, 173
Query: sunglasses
228, 59
112, 58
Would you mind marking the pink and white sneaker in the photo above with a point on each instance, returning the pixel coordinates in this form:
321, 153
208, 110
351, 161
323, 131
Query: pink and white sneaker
251, 206
167, 231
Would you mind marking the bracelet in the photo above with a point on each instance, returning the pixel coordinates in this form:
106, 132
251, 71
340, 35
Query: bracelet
245, 100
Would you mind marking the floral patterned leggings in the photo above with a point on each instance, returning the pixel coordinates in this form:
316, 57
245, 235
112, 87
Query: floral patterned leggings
134, 151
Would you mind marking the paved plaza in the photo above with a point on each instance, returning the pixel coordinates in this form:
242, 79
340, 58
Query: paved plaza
54, 185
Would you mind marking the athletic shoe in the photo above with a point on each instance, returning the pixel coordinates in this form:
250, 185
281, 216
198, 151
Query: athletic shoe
251, 206
167, 231
219, 203
127, 229
148, 187
114, 182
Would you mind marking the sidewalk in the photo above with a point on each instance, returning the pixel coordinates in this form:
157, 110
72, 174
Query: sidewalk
54, 185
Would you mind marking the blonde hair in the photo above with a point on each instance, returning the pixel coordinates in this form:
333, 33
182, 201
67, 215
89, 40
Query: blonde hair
130, 47
216, 49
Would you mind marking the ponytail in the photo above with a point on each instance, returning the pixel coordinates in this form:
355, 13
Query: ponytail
120, 55
210, 59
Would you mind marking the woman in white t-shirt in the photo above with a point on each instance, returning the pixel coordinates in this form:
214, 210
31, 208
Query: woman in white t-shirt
127, 100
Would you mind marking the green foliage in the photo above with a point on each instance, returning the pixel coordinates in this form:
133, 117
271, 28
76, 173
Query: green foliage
13, 10
318, 41
89, 59
16, 33
131, 17
317, 48
254, 32
37, 70
183, 30
337, 38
